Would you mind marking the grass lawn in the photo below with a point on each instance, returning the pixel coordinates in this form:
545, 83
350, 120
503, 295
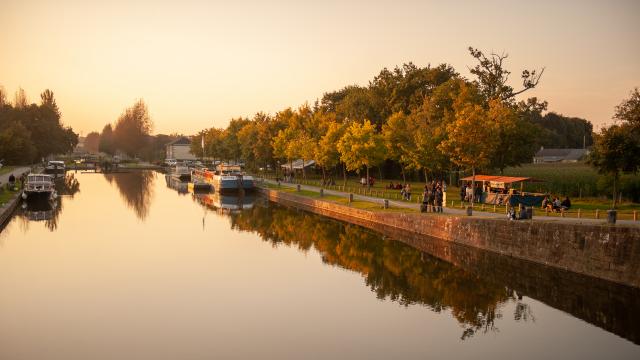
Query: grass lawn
358, 204
6, 195
7, 169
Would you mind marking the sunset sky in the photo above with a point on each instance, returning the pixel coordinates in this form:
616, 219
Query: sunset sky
199, 63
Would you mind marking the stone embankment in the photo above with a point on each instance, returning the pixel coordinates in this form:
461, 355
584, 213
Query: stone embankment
6, 210
609, 252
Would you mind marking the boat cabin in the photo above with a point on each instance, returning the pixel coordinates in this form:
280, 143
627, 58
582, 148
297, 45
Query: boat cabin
225, 169
39, 183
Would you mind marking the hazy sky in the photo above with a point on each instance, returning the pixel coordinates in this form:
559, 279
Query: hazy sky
199, 63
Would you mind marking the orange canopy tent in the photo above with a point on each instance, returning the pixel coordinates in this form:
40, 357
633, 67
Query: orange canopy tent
500, 181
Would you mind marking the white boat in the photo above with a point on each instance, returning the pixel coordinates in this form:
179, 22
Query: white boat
225, 178
39, 186
55, 167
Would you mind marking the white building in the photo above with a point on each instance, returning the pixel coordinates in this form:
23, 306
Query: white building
179, 149
559, 155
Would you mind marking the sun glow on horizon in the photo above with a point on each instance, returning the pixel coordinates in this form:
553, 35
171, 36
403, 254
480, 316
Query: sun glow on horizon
198, 64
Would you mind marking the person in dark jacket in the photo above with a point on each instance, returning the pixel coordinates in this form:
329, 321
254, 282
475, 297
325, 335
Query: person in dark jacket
565, 204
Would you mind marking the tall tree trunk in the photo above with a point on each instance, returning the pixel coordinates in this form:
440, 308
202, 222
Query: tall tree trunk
615, 196
324, 176
368, 182
426, 177
404, 176
380, 172
344, 175
304, 176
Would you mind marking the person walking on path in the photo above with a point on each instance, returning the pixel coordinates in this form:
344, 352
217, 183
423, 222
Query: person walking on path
438, 199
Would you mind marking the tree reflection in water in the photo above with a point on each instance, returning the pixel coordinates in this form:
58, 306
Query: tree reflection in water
135, 189
391, 269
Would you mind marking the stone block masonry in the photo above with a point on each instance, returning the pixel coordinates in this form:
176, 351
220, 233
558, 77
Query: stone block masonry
606, 252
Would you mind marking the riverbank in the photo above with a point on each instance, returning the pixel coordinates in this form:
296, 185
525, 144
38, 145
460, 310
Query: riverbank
7, 207
602, 251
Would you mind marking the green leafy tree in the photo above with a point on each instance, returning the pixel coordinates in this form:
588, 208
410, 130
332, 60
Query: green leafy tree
399, 138
629, 109
16, 146
107, 142
361, 146
91, 142
617, 147
515, 138
615, 152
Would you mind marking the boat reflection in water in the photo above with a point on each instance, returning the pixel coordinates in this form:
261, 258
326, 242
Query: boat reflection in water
224, 202
182, 187
48, 210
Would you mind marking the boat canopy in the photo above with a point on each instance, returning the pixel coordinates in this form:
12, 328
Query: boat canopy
39, 177
228, 168
496, 178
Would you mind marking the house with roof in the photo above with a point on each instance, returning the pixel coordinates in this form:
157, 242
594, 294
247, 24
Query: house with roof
298, 164
179, 149
559, 155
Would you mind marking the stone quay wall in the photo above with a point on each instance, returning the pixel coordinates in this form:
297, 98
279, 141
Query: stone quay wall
7, 209
609, 252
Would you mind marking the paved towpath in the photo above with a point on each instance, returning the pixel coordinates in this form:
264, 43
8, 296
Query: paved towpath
453, 211
4, 178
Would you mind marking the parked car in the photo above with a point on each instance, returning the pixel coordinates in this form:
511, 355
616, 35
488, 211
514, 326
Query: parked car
171, 162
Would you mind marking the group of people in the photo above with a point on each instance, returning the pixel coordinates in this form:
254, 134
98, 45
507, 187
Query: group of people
12, 182
470, 193
364, 181
555, 205
393, 186
432, 197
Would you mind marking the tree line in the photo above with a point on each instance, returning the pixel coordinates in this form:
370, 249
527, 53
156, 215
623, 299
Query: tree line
617, 147
409, 120
30, 132
130, 135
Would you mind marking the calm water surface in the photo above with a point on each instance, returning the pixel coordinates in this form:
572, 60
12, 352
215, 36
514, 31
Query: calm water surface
127, 267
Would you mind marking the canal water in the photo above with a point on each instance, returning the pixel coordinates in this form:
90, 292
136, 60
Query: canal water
133, 266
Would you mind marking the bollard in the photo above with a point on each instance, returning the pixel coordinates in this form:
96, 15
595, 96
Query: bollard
494, 207
635, 215
579, 214
469, 210
530, 212
482, 207
350, 198
386, 203
546, 211
612, 216
298, 187
321, 192
597, 213
451, 203
561, 212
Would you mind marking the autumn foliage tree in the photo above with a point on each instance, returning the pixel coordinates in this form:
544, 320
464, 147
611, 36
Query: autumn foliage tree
470, 142
133, 128
361, 146
92, 142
